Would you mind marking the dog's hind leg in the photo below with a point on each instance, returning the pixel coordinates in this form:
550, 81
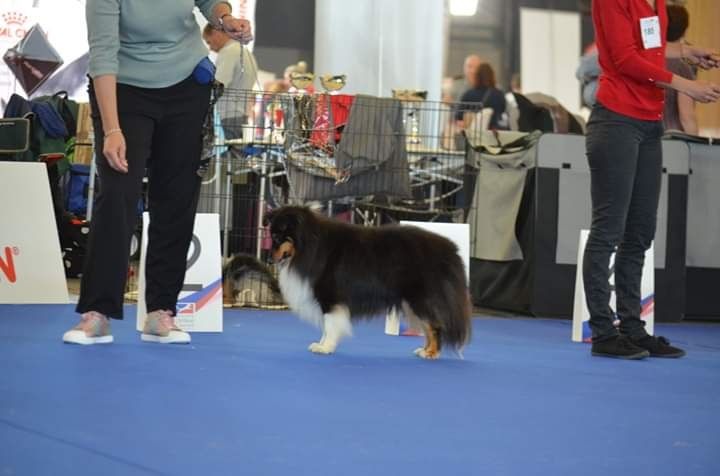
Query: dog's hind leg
336, 325
432, 344
431, 350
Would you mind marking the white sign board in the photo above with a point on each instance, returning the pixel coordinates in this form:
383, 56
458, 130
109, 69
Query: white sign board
199, 307
581, 316
458, 233
31, 267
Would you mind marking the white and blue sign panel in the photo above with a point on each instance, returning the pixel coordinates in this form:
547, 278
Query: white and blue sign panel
581, 316
199, 307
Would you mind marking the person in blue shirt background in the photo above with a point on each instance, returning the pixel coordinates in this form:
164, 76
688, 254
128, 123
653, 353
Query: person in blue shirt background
485, 94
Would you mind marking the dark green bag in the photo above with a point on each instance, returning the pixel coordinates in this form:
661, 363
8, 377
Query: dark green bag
14, 138
41, 145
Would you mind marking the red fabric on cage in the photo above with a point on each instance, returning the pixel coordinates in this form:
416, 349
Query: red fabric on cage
340, 105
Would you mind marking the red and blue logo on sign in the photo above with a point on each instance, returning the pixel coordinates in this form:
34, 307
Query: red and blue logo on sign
647, 306
197, 300
185, 308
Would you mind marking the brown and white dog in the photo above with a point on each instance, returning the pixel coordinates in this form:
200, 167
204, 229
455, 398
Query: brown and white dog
331, 273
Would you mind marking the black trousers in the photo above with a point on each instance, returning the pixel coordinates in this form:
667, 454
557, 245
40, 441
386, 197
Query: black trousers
625, 157
163, 134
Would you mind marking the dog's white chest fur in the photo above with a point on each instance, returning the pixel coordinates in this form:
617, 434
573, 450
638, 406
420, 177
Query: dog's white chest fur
299, 296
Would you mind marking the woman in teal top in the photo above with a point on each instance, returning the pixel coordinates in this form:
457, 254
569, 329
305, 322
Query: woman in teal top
149, 93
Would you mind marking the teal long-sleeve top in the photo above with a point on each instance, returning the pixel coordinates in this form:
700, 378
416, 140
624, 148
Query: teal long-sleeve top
146, 43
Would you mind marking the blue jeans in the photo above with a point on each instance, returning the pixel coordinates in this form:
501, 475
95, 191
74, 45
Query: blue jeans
625, 157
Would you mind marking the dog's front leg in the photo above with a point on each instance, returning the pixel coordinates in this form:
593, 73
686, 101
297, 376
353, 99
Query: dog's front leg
322, 338
336, 325
321, 342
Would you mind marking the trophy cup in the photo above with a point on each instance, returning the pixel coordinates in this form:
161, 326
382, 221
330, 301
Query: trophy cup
332, 83
301, 81
303, 102
411, 121
410, 95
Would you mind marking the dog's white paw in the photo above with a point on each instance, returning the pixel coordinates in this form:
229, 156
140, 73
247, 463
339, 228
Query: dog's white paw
424, 354
318, 348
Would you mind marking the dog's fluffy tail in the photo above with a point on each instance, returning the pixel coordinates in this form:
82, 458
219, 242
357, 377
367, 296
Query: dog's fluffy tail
455, 326
444, 305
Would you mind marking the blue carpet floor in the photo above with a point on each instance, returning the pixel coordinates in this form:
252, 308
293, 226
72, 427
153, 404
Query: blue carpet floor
253, 401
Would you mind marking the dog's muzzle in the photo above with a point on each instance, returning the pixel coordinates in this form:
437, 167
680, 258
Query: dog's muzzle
284, 252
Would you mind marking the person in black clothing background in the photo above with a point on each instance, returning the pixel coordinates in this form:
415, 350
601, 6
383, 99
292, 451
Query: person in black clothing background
484, 94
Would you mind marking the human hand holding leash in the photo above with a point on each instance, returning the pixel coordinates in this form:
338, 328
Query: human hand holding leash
237, 28
704, 58
706, 92
701, 91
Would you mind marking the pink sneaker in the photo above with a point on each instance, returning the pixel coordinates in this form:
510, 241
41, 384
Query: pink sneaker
160, 327
93, 328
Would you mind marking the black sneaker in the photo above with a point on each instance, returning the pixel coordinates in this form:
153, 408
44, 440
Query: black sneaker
619, 347
658, 346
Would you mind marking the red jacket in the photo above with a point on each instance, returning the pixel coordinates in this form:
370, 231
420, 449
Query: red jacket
628, 83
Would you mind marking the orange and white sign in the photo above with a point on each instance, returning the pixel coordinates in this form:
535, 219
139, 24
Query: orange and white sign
31, 268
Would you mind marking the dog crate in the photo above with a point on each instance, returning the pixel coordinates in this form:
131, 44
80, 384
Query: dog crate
362, 159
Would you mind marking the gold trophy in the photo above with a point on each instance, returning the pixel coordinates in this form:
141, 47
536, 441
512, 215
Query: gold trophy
303, 102
332, 83
301, 81
410, 95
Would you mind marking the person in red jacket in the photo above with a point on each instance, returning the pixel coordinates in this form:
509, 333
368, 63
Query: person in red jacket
625, 157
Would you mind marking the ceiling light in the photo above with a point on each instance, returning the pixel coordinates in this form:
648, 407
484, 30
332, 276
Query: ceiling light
463, 8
